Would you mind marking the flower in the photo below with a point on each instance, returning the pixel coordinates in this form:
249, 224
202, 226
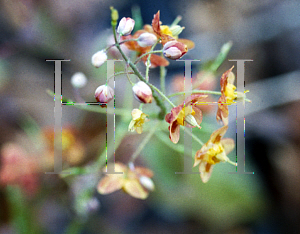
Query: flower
126, 26
20, 168
174, 49
135, 181
99, 58
187, 114
227, 95
212, 152
104, 94
78, 80
142, 92
146, 39
138, 119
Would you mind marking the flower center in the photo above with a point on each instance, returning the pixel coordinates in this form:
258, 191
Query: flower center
166, 30
229, 92
182, 114
215, 154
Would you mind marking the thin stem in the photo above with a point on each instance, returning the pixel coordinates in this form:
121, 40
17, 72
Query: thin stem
135, 70
120, 43
150, 52
144, 142
148, 63
119, 73
195, 138
161, 94
196, 91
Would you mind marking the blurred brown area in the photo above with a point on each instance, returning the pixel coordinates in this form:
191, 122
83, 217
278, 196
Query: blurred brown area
266, 31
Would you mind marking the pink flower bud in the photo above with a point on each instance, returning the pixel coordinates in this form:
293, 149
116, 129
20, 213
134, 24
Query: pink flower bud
104, 94
146, 39
142, 92
174, 49
99, 58
126, 26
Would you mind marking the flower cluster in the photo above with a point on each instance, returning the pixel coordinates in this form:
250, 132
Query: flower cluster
155, 45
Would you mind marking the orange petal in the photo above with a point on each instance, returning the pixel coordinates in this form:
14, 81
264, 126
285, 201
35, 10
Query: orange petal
205, 170
190, 44
156, 61
156, 24
223, 81
135, 189
222, 112
218, 134
110, 184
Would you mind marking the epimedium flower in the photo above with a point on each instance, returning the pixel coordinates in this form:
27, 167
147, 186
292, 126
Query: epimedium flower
125, 26
174, 49
146, 39
99, 58
227, 95
215, 150
104, 94
142, 92
187, 114
138, 119
135, 181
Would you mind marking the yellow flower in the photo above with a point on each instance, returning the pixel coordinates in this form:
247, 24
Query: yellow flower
135, 181
212, 152
138, 119
227, 97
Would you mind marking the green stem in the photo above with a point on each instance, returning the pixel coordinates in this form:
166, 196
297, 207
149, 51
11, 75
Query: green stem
119, 73
159, 102
161, 94
120, 43
195, 138
148, 63
162, 76
144, 142
196, 91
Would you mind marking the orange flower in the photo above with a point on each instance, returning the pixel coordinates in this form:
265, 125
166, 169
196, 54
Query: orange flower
186, 114
212, 152
135, 181
227, 97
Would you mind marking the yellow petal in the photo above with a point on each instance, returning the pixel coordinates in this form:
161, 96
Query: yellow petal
110, 184
135, 189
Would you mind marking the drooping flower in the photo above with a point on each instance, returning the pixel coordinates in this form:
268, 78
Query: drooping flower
126, 26
146, 39
215, 150
138, 119
187, 114
227, 95
142, 92
136, 181
104, 94
99, 58
174, 49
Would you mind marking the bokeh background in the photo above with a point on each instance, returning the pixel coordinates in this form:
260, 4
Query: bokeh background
266, 31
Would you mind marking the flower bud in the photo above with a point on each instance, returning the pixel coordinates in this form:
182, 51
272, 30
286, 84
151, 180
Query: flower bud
174, 49
147, 183
142, 92
78, 80
104, 94
192, 121
99, 58
146, 39
125, 27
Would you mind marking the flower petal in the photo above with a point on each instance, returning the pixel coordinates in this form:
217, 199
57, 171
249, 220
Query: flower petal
135, 189
228, 145
144, 171
156, 61
110, 184
218, 134
205, 170
190, 44
222, 112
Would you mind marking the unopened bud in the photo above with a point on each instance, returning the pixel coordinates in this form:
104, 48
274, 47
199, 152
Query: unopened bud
126, 26
142, 92
146, 39
147, 183
99, 58
104, 94
174, 49
78, 80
